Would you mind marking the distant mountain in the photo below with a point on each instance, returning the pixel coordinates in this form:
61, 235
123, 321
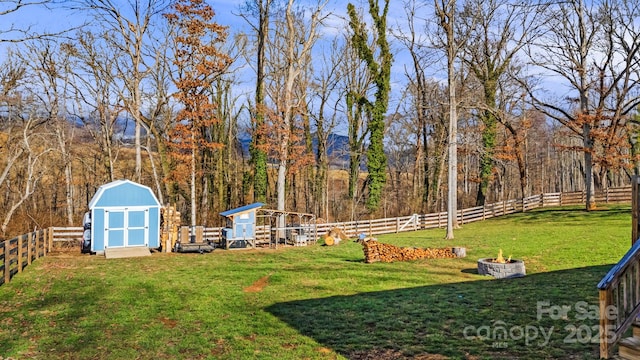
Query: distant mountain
337, 149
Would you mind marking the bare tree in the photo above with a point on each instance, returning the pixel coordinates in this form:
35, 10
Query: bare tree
130, 30
10, 33
618, 99
446, 14
497, 31
568, 50
594, 48
296, 53
23, 152
427, 106
327, 99
50, 68
95, 98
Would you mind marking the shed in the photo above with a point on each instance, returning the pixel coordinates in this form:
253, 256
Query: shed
240, 231
124, 214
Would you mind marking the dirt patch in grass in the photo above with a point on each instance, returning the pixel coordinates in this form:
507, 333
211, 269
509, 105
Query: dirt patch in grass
259, 285
221, 348
169, 323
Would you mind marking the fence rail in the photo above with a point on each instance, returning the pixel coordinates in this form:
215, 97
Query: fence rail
17, 253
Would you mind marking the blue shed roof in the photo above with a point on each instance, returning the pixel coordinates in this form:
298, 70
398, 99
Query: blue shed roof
123, 193
242, 209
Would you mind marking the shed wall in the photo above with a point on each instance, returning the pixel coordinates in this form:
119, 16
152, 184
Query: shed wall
97, 230
154, 227
134, 216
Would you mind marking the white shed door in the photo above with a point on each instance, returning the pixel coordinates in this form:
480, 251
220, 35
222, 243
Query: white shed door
126, 227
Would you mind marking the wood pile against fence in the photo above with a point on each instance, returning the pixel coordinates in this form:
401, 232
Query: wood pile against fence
375, 251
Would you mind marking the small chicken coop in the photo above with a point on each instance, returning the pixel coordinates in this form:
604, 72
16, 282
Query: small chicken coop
240, 230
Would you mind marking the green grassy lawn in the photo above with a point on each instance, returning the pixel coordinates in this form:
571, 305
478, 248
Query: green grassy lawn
320, 302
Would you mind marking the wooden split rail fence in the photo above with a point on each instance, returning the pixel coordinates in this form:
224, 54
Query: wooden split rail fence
17, 253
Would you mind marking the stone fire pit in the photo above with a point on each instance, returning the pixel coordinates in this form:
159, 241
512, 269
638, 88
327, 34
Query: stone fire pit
501, 270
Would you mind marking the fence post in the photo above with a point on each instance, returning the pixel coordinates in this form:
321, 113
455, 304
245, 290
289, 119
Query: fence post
30, 252
606, 324
397, 225
38, 245
7, 261
50, 237
21, 252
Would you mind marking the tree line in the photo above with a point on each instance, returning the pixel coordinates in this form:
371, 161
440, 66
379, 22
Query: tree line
442, 104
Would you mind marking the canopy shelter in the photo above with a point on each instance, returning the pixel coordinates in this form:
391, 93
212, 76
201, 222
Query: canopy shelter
297, 229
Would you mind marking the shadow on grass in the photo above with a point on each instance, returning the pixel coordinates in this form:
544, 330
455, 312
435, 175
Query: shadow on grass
543, 215
511, 319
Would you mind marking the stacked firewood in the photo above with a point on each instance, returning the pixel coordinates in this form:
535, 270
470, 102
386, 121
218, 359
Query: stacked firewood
169, 225
375, 251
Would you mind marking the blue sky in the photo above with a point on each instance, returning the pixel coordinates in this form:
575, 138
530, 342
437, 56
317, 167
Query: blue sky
58, 18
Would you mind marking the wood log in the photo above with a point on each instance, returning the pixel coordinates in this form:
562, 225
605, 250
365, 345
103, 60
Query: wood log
328, 240
460, 251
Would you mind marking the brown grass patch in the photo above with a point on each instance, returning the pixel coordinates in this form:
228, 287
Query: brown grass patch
56, 266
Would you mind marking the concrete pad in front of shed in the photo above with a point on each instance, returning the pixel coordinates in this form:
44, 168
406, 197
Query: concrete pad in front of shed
126, 252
